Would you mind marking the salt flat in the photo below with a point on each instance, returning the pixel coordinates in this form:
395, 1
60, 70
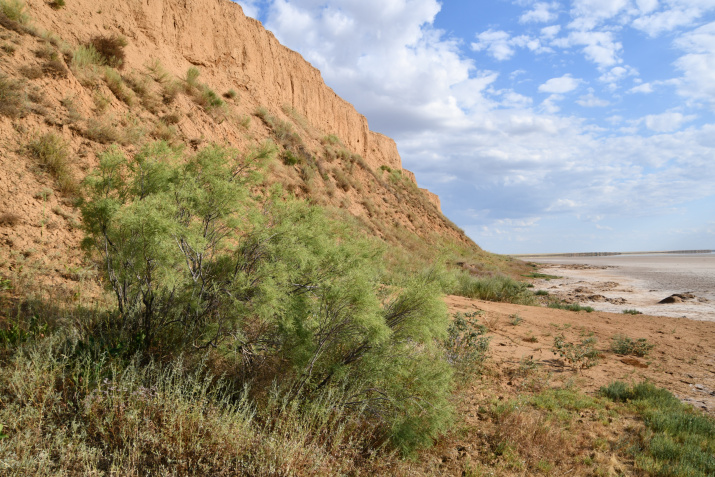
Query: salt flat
619, 282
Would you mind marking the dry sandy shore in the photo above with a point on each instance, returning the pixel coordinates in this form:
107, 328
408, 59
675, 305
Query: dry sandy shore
617, 283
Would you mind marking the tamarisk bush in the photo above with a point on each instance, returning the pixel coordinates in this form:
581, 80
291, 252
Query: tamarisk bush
199, 257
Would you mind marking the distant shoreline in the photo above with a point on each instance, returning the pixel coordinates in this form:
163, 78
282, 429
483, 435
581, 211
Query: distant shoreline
608, 254
641, 281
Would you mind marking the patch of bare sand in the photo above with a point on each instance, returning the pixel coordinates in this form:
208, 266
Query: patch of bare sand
682, 360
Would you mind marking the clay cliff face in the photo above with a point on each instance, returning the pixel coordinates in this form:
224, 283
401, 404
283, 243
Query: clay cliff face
232, 50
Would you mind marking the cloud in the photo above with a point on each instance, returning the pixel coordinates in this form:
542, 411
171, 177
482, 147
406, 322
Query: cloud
666, 122
587, 14
616, 74
550, 31
479, 139
674, 14
599, 47
251, 8
497, 43
502, 46
591, 101
561, 85
698, 64
644, 88
540, 13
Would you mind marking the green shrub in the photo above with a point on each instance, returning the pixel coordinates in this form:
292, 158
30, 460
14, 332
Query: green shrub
57, 4
116, 85
52, 153
102, 131
192, 77
541, 275
230, 94
195, 261
541, 293
559, 305
578, 355
289, 159
631, 312
621, 344
515, 319
466, 345
86, 56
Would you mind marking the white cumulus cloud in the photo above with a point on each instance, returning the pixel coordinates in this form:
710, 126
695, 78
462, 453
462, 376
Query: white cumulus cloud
561, 85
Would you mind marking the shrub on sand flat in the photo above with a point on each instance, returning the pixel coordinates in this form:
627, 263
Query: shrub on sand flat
498, 288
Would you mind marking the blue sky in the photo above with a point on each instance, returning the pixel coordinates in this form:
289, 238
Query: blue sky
544, 126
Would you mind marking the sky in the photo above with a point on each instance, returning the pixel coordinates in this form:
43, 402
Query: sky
544, 126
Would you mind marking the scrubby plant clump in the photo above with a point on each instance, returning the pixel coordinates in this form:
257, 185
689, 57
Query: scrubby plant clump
14, 10
110, 48
621, 344
12, 97
196, 260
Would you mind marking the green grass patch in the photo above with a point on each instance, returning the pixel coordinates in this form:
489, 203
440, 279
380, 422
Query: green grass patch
540, 275
631, 311
559, 305
497, 288
677, 439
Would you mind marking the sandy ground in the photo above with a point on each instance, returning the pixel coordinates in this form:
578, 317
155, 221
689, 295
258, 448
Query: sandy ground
682, 359
638, 282
522, 360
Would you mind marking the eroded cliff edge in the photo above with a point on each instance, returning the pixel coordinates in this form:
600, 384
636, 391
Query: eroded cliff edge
232, 50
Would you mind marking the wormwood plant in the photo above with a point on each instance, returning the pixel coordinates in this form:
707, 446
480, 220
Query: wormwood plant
621, 344
197, 260
579, 355
466, 345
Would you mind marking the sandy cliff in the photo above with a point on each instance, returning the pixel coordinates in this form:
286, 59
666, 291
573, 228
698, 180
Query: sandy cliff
232, 50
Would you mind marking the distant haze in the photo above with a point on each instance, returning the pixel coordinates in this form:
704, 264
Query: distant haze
543, 126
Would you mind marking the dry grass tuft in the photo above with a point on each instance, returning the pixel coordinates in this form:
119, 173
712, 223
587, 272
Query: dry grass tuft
52, 154
9, 219
111, 49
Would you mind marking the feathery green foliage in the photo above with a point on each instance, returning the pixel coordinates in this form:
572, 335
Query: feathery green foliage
196, 260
